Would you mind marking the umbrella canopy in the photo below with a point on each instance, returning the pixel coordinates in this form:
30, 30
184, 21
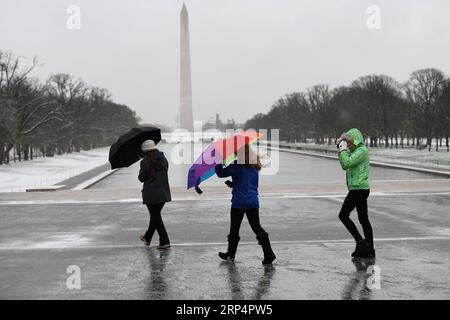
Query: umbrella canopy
127, 149
220, 152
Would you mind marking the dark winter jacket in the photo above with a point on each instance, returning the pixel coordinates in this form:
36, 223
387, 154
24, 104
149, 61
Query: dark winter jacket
156, 182
245, 185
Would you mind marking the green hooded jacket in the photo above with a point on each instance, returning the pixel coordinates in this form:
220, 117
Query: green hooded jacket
356, 162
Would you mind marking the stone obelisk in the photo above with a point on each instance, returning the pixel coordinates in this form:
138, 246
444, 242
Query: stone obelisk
186, 117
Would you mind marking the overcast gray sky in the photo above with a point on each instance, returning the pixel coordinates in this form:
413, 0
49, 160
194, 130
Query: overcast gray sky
245, 53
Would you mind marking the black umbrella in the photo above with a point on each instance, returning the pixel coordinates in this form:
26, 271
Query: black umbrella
127, 149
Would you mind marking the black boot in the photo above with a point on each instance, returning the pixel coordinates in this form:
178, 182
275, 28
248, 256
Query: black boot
370, 253
263, 240
232, 248
362, 247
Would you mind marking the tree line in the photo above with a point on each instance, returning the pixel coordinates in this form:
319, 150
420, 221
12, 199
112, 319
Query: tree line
389, 113
60, 115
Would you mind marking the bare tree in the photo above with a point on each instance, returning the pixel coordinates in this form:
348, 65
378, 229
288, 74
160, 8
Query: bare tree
12, 79
61, 115
423, 89
34, 109
444, 113
319, 99
381, 97
385, 111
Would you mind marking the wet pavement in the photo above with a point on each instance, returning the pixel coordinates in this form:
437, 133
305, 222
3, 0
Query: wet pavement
292, 168
41, 237
73, 182
303, 271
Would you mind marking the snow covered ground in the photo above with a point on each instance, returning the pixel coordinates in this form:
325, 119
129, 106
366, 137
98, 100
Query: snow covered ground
407, 156
434, 159
44, 172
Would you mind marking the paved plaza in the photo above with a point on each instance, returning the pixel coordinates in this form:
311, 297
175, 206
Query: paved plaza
42, 233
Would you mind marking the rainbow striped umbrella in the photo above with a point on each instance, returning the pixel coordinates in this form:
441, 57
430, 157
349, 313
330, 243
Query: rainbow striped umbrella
220, 152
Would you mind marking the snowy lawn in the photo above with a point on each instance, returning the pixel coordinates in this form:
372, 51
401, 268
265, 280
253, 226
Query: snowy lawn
410, 156
44, 172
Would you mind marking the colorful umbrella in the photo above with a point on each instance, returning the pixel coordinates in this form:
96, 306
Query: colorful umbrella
220, 152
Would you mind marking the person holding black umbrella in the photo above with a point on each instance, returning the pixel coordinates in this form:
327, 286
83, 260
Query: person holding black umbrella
155, 192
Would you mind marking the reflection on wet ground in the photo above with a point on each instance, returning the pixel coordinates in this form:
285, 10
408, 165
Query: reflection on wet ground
156, 282
235, 281
360, 285
406, 270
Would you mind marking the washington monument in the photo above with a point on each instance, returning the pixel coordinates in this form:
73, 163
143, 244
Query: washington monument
186, 118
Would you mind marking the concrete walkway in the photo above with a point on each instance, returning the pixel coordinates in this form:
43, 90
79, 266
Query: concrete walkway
44, 235
39, 241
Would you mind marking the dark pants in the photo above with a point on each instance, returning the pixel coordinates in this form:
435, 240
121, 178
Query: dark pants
358, 199
253, 219
157, 224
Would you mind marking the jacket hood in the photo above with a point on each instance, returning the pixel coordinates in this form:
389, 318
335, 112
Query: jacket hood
356, 136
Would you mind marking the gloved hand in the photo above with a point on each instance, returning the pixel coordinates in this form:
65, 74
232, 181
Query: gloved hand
229, 183
342, 145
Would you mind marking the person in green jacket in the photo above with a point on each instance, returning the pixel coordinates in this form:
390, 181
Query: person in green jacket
354, 159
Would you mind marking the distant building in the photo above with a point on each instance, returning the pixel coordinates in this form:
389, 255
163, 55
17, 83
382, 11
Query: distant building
218, 124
